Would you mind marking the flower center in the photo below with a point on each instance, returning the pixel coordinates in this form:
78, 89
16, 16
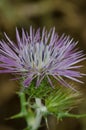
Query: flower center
36, 55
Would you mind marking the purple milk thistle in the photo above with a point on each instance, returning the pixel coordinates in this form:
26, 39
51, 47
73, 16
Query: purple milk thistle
41, 54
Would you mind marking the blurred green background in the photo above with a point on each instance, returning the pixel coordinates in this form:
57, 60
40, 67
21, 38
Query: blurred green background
68, 16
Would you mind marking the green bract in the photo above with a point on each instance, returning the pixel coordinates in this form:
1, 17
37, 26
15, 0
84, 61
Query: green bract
43, 91
58, 101
61, 101
38, 103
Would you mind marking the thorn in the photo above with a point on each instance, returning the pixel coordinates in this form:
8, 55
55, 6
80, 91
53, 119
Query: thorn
46, 121
15, 116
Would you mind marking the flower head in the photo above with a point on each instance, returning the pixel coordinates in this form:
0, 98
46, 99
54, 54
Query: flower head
38, 55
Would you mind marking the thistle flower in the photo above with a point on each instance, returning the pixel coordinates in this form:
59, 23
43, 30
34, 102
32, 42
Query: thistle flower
38, 55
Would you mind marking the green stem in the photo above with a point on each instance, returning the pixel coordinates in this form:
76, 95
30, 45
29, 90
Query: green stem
66, 114
76, 116
39, 115
33, 119
23, 107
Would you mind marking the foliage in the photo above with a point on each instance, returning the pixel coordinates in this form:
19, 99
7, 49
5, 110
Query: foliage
41, 92
58, 101
61, 101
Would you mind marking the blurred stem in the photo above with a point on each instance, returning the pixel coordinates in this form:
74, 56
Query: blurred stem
33, 118
23, 107
39, 115
75, 116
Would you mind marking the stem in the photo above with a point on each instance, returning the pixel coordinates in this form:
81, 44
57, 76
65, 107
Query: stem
23, 107
76, 116
38, 114
33, 118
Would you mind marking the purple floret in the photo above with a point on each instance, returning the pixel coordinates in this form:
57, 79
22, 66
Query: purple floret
39, 55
